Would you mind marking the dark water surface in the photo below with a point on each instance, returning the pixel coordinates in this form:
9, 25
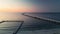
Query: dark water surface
31, 25
55, 16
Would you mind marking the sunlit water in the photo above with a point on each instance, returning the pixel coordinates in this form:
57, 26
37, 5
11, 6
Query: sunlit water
30, 26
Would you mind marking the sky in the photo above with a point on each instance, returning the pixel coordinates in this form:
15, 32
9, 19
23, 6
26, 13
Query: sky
29, 5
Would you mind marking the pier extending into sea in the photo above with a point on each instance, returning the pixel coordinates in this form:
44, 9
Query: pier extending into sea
44, 19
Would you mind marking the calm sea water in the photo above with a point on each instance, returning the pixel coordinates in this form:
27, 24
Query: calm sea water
30, 25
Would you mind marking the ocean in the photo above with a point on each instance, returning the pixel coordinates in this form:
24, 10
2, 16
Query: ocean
30, 25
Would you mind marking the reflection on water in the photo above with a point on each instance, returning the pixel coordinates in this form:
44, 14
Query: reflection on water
11, 16
30, 26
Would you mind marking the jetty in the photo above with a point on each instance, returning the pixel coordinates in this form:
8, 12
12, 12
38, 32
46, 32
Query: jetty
19, 27
44, 19
11, 21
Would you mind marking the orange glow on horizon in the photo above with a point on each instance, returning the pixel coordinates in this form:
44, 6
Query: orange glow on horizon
15, 10
21, 9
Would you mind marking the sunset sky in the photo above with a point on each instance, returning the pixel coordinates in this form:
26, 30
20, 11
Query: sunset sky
16, 6
29, 5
